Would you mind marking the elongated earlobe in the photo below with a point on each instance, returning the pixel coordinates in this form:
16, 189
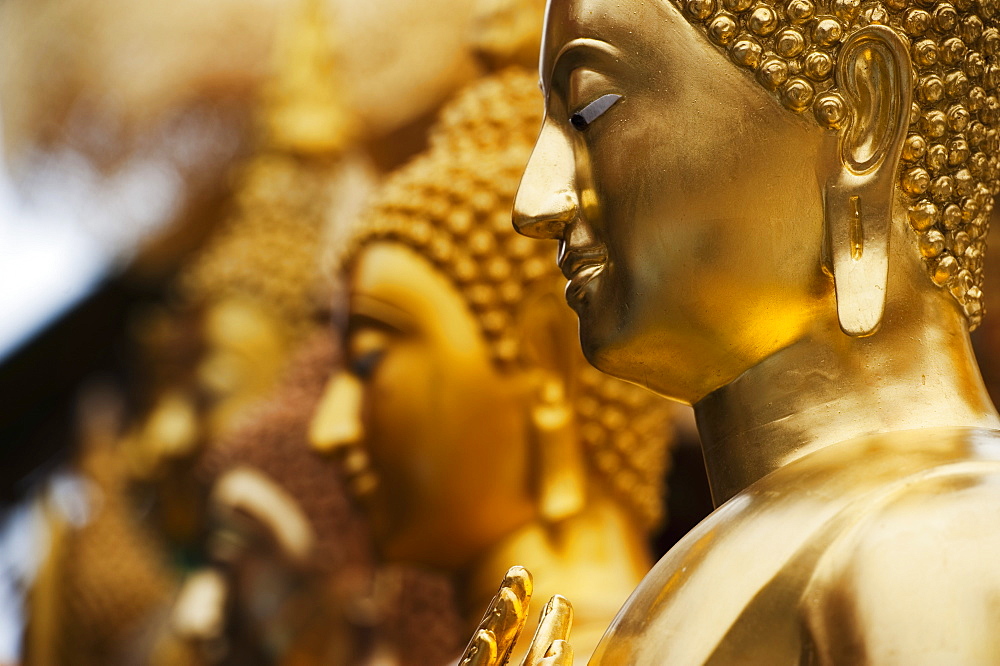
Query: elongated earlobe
875, 78
550, 361
561, 468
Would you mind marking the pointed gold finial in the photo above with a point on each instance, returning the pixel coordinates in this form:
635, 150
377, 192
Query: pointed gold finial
302, 109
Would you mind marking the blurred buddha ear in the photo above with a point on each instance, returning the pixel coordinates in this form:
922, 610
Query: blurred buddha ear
548, 341
874, 76
561, 471
547, 337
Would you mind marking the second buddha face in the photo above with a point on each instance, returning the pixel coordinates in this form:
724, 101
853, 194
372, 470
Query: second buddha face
430, 433
689, 210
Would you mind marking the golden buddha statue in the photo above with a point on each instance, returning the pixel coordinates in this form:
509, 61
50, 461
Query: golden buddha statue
469, 426
255, 291
105, 584
777, 213
260, 292
258, 283
284, 548
289, 577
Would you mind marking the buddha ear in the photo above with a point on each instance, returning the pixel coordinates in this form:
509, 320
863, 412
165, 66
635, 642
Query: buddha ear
551, 359
874, 76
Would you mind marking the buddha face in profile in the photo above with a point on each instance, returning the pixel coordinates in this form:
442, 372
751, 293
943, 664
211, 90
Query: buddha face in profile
721, 175
434, 434
461, 363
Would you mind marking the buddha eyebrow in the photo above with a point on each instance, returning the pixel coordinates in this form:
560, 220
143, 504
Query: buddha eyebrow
588, 114
373, 312
572, 51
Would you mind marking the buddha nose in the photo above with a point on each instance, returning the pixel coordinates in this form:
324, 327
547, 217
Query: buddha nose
336, 425
547, 198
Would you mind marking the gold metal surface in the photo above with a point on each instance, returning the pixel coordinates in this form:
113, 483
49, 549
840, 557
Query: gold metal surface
505, 617
466, 420
770, 266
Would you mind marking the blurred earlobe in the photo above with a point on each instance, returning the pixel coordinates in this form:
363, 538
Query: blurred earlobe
874, 75
561, 468
551, 361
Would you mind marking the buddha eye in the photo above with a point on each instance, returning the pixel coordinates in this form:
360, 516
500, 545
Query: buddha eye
367, 343
581, 119
363, 367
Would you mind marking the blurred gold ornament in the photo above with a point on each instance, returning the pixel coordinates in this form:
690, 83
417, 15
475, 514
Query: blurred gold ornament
304, 109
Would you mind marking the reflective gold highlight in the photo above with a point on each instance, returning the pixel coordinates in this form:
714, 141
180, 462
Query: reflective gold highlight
950, 172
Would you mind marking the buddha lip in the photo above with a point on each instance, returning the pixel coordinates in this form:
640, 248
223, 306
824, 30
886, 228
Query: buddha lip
576, 263
581, 267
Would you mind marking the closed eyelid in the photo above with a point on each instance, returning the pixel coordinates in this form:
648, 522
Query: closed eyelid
588, 114
572, 55
365, 348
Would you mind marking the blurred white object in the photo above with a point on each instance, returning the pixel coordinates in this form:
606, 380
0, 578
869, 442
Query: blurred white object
24, 544
54, 250
199, 613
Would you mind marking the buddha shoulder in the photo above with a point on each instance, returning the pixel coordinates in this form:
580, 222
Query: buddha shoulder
876, 550
913, 578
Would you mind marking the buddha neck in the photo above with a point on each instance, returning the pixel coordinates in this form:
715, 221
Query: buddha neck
829, 387
595, 559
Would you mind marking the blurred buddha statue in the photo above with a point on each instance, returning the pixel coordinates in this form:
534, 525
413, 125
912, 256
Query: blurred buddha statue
240, 309
289, 578
81, 612
777, 213
255, 291
258, 285
468, 424
284, 547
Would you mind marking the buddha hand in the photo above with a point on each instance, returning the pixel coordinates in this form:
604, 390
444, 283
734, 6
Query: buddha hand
500, 628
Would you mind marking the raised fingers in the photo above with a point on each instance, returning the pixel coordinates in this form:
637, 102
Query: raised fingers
550, 646
502, 624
